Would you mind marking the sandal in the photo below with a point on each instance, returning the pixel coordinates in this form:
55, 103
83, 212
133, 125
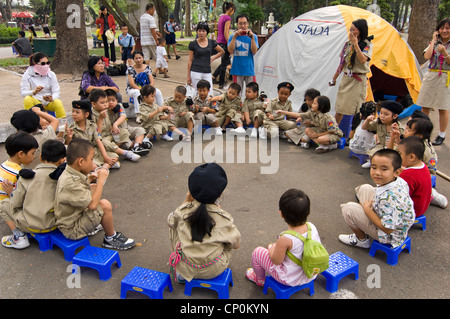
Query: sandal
250, 274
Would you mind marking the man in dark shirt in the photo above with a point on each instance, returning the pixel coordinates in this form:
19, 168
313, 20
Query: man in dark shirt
22, 45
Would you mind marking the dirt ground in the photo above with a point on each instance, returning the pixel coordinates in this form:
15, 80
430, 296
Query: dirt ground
144, 193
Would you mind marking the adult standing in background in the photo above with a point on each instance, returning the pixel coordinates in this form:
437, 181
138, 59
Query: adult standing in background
243, 45
149, 35
355, 58
107, 22
169, 29
435, 90
223, 33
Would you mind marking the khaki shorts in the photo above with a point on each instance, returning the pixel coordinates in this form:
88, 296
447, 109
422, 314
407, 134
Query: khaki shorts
84, 225
149, 52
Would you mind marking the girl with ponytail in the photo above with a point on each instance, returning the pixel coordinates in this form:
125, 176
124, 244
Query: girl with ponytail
202, 234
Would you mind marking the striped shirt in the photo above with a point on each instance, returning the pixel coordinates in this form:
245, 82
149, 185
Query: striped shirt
147, 22
9, 171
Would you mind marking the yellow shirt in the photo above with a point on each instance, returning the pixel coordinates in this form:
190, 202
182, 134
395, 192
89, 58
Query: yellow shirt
9, 171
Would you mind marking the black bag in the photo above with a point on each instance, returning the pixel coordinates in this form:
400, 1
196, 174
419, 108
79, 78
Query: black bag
116, 70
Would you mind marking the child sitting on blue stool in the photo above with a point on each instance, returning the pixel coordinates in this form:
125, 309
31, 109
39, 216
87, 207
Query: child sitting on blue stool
202, 234
294, 208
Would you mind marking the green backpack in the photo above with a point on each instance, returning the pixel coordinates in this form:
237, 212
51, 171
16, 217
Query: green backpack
315, 256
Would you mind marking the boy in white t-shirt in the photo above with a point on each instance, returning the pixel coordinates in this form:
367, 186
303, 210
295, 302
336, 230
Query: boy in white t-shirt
363, 140
161, 58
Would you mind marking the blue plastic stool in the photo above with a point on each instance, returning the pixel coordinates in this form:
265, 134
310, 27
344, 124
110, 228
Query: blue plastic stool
67, 245
391, 97
422, 220
392, 253
220, 284
149, 282
43, 240
408, 111
342, 143
283, 291
346, 124
362, 157
100, 259
433, 181
340, 266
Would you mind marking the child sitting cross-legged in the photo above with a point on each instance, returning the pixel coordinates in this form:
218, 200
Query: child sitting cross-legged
384, 213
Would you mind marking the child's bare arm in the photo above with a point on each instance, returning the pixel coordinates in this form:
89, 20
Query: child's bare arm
277, 251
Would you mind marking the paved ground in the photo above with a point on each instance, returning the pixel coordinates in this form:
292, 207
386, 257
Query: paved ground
144, 193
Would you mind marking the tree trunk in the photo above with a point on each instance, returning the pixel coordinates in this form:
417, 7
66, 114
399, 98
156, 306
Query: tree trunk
176, 11
163, 14
422, 24
187, 18
71, 53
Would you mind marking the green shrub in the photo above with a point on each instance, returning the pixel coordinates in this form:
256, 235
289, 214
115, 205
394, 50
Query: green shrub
6, 32
4, 40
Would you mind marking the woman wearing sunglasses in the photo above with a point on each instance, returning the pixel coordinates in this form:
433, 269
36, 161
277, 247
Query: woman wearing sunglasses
40, 86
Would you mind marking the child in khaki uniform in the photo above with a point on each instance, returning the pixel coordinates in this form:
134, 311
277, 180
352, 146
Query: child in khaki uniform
204, 110
183, 116
202, 234
83, 127
254, 107
21, 148
31, 207
154, 119
100, 110
275, 119
230, 107
79, 208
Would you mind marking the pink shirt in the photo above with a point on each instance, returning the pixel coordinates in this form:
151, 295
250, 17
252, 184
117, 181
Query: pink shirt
221, 27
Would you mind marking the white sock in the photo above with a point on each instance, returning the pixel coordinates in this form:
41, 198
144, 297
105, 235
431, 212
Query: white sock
136, 144
110, 237
146, 139
442, 134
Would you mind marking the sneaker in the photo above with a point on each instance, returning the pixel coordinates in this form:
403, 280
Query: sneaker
119, 242
166, 137
250, 274
116, 165
138, 119
180, 279
283, 136
262, 133
438, 199
139, 150
239, 130
178, 57
132, 156
218, 131
19, 243
147, 145
322, 149
353, 240
169, 57
304, 144
366, 164
254, 133
97, 228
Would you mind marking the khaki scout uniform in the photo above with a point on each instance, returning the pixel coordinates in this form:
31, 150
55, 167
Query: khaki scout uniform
321, 122
279, 120
205, 118
41, 136
224, 237
229, 108
73, 196
353, 87
91, 134
127, 132
153, 126
180, 121
31, 206
430, 157
382, 134
255, 108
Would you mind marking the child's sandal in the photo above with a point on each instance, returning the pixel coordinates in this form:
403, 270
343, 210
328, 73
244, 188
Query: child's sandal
250, 274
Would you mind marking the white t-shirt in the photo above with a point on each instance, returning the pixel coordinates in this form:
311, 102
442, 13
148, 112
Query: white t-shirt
160, 53
147, 22
362, 141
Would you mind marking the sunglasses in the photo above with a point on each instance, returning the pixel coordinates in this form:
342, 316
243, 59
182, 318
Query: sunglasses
43, 63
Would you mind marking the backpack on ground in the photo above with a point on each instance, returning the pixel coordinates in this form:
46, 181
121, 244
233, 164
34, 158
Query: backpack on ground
315, 257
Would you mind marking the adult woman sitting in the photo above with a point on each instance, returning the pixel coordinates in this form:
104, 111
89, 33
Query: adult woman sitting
96, 78
40, 86
354, 63
435, 90
200, 57
138, 75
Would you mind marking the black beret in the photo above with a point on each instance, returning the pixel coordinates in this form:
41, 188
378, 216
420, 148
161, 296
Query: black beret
207, 182
82, 105
392, 106
285, 85
25, 120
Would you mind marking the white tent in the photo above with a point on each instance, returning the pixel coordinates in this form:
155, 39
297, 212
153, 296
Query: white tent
306, 52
